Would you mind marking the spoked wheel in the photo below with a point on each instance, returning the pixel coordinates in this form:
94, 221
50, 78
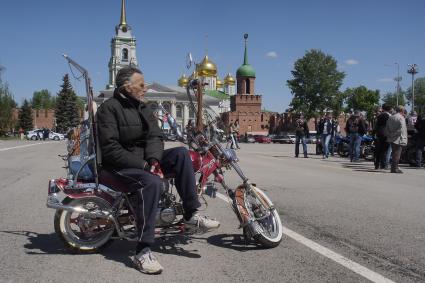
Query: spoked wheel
267, 224
83, 232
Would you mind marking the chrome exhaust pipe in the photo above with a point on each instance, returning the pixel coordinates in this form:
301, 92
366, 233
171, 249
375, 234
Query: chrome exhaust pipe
53, 202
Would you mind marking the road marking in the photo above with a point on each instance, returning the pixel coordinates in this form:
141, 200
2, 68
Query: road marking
351, 265
9, 148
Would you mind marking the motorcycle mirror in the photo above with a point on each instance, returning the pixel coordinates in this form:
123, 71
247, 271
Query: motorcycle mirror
189, 60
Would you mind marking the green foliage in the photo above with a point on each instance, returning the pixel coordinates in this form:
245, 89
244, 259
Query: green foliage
67, 111
25, 117
362, 99
43, 100
316, 84
7, 103
419, 95
390, 98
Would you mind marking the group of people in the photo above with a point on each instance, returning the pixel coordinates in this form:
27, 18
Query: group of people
391, 133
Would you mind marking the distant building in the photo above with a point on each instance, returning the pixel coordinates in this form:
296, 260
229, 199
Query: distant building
245, 106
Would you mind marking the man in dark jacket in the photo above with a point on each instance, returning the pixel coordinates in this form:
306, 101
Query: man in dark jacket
355, 129
326, 131
301, 133
381, 138
420, 139
132, 147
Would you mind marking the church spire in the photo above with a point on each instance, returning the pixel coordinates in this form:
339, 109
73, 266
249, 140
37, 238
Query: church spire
245, 58
123, 18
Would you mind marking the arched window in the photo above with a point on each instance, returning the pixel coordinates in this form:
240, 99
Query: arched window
248, 86
262, 118
179, 112
191, 113
153, 106
125, 54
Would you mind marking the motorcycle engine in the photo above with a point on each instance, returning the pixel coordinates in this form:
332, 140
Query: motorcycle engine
165, 216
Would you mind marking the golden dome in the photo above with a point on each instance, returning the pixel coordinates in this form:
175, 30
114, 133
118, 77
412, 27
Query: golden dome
229, 80
183, 81
206, 68
219, 83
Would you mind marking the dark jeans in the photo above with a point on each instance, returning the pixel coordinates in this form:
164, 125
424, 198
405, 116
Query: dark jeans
381, 152
355, 143
301, 139
420, 144
395, 156
175, 163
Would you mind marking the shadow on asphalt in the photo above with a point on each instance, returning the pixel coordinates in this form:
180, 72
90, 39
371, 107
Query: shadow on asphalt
119, 250
234, 242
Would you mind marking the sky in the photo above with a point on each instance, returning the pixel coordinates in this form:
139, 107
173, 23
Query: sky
366, 37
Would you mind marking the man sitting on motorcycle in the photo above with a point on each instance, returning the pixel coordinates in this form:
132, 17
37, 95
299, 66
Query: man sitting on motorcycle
132, 147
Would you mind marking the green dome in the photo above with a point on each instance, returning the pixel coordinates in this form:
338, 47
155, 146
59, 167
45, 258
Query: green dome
245, 70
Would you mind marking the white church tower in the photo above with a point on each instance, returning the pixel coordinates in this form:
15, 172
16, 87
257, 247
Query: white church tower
123, 48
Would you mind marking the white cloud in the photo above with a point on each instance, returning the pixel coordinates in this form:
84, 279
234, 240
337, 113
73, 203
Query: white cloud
271, 54
351, 62
385, 80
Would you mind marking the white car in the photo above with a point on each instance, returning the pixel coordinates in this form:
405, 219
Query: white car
292, 138
37, 134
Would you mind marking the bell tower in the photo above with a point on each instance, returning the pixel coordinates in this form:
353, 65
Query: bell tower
123, 48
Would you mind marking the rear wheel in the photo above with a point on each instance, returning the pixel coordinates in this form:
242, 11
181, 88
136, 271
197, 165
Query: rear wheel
267, 224
84, 233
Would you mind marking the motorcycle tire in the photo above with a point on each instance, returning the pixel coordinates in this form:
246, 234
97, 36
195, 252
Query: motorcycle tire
270, 228
76, 241
368, 152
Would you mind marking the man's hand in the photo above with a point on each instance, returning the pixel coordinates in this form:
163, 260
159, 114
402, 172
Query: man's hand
155, 168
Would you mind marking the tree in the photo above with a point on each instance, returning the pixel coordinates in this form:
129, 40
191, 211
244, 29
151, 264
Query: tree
42, 100
25, 116
316, 83
390, 98
419, 95
362, 99
7, 104
67, 112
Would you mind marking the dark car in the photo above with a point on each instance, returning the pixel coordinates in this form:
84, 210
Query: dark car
282, 139
170, 137
262, 139
247, 138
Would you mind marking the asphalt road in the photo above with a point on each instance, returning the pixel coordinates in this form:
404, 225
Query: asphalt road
365, 222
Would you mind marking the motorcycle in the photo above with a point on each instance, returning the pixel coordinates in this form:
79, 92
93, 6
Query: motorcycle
94, 207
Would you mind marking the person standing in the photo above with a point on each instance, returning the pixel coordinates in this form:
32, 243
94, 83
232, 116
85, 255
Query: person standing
326, 132
381, 139
420, 139
396, 131
234, 131
355, 128
301, 133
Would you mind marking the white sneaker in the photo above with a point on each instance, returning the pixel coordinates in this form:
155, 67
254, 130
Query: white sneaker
146, 262
201, 223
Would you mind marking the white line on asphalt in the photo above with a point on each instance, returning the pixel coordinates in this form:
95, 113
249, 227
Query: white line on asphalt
4, 149
351, 265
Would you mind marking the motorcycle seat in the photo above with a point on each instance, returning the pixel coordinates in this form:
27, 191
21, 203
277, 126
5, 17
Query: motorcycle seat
113, 181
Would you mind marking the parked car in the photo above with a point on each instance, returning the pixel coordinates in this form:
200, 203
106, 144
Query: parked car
247, 139
37, 134
262, 139
282, 139
292, 137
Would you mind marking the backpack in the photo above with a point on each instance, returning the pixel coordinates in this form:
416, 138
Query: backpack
353, 127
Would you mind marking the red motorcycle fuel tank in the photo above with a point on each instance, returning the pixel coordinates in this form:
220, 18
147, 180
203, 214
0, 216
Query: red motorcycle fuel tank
196, 160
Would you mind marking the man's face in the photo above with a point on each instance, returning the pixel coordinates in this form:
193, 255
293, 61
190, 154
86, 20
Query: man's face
136, 87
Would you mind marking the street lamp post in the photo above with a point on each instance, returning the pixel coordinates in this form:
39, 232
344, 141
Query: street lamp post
413, 69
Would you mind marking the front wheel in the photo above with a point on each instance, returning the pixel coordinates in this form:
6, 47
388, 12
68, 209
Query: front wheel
81, 232
267, 225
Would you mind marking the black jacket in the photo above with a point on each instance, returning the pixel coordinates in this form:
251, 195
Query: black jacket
329, 128
355, 125
381, 122
301, 128
129, 134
